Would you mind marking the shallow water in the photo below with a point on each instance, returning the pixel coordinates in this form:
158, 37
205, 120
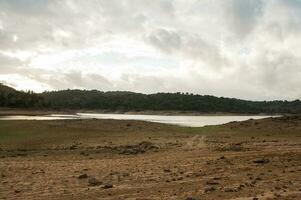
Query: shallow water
191, 121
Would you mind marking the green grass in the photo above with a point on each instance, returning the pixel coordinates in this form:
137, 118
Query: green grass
41, 134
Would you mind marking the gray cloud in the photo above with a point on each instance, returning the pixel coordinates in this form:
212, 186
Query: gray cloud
168, 41
8, 64
69, 80
243, 16
188, 45
241, 48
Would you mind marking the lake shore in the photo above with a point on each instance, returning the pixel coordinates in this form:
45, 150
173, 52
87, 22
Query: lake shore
180, 120
122, 159
31, 112
35, 112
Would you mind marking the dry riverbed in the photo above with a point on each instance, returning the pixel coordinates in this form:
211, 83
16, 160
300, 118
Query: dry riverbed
114, 159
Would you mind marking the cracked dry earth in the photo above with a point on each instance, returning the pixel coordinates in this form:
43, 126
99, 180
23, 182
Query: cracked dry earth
255, 159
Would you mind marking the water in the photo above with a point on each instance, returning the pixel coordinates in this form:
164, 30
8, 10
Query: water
191, 121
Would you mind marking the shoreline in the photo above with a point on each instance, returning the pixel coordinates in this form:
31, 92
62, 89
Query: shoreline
36, 112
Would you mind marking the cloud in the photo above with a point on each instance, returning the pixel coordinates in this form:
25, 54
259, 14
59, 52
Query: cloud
168, 41
189, 46
243, 16
9, 64
239, 48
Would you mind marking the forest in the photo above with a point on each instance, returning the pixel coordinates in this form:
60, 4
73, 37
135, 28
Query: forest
130, 101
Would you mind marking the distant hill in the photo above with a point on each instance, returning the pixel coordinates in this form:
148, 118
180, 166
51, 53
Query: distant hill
9, 97
130, 101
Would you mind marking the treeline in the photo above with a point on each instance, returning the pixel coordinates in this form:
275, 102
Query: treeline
129, 101
12, 98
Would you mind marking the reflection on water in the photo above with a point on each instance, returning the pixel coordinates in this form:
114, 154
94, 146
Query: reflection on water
192, 121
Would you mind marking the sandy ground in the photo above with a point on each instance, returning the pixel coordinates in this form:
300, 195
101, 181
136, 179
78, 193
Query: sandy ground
111, 159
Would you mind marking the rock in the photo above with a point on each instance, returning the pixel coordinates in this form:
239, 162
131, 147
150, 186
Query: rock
125, 174
41, 171
107, 186
258, 179
210, 189
261, 161
84, 154
230, 190
94, 182
140, 148
73, 147
131, 151
232, 147
190, 198
277, 188
212, 183
82, 176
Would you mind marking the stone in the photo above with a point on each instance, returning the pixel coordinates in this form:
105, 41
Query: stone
108, 186
94, 182
210, 189
261, 161
82, 176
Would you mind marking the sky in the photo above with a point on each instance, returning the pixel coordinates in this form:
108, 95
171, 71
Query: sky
248, 49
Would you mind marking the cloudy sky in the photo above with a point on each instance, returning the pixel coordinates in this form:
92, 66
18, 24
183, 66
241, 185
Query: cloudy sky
248, 49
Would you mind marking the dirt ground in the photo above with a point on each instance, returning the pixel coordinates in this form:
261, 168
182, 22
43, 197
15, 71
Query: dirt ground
112, 159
